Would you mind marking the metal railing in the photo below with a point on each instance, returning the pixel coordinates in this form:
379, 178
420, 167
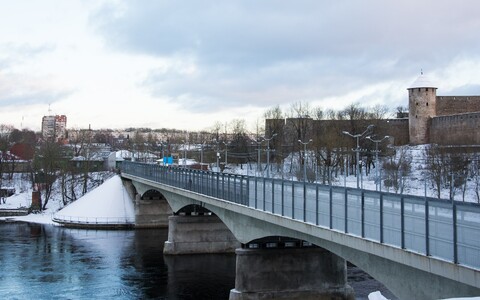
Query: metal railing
443, 229
93, 220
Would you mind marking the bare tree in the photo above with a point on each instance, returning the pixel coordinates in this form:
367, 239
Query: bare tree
47, 162
378, 112
397, 170
435, 160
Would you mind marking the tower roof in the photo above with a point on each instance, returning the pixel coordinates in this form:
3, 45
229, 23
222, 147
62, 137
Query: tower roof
422, 82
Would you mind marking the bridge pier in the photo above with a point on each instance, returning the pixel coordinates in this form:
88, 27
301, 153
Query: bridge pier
298, 273
190, 234
151, 213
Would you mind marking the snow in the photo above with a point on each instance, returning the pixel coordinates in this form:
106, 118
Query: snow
422, 82
108, 203
378, 296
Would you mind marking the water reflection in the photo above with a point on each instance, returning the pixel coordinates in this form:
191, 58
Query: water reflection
48, 262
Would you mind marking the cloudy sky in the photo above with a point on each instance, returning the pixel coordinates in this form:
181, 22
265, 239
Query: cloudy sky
188, 64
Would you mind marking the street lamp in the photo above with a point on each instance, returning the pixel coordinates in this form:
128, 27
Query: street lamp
201, 155
357, 150
184, 154
218, 154
226, 154
259, 148
163, 152
305, 157
268, 153
376, 156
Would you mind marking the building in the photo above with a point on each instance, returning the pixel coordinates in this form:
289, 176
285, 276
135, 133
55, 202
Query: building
446, 120
432, 119
54, 127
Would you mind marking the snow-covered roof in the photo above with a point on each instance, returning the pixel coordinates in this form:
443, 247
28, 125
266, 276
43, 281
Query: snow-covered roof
422, 82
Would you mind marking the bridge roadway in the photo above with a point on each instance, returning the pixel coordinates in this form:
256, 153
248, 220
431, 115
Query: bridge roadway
419, 248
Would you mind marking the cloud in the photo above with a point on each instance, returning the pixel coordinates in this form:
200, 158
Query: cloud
14, 54
275, 52
464, 90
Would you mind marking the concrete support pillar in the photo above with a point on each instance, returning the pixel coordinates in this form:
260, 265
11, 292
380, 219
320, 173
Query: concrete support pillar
198, 234
301, 273
151, 213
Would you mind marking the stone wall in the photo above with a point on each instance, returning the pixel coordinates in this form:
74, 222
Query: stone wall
331, 130
461, 129
451, 105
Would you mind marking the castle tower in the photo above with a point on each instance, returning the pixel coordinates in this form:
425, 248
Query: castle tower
422, 99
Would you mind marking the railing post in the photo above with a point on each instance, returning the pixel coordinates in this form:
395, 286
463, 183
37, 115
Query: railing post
263, 193
363, 214
316, 205
241, 189
402, 221
218, 185
381, 218
283, 198
346, 211
455, 237
293, 201
427, 228
273, 196
235, 188
331, 207
304, 201
256, 192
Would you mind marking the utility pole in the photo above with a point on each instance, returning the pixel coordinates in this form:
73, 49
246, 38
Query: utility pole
259, 149
357, 150
218, 154
268, 153
305, 158
376, 156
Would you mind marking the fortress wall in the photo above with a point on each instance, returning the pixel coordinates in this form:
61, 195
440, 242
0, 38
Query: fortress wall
461, 129
332, 129
451, 105
398, 129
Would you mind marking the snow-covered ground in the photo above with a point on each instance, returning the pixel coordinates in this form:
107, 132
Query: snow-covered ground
109, 202
378, 296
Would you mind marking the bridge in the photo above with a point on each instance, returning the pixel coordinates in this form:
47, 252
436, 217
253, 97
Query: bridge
300, 234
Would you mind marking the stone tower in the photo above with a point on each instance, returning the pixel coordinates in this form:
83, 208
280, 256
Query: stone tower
422, 99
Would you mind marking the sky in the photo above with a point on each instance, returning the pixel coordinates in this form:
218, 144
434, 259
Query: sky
189, 64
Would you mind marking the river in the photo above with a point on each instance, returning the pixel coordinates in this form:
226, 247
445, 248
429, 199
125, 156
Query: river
50, 262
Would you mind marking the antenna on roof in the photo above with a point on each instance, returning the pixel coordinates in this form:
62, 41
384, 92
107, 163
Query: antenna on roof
49, 110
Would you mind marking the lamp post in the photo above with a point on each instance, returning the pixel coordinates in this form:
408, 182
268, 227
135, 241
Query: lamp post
226, 154
184, 154
305, 158
357, 150
218, 154
163, 152
201, 155
259, 148
268, 153
376, 156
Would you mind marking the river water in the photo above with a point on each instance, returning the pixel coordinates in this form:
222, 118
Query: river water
50, 262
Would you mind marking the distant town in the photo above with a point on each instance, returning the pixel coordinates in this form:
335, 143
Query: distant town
303, 143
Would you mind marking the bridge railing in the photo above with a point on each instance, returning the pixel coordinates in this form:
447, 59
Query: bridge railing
444, 229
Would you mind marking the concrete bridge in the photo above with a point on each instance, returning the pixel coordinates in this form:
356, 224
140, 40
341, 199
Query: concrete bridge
293, 239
